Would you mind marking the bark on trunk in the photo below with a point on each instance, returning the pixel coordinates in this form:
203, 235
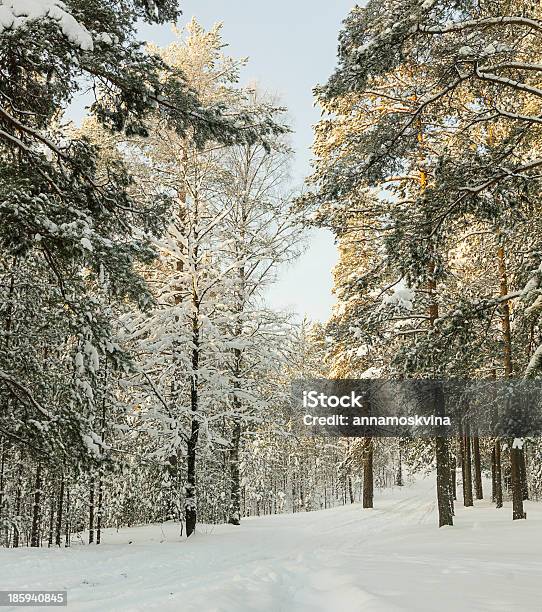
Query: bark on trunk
466, 471
99, 515
190, 490
368, 486
51, 519
91, 513
99, 510
517, 490
444, 488
350, 489
498, 473
523, 465
36, 510
493, 479
445, 501
18, 496
234, 514
3, 446
67, 540
515, 453
453, 476
399, 479
60, 509
445, 496
477, 468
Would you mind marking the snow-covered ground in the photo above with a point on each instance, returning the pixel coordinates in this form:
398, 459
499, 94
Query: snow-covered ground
341, 560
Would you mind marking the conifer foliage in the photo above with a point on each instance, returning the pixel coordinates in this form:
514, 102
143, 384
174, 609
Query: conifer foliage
426, 171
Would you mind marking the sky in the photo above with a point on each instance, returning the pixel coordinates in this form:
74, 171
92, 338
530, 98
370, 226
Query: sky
291, 45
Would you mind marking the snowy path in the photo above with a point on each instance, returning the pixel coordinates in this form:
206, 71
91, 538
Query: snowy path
341, 560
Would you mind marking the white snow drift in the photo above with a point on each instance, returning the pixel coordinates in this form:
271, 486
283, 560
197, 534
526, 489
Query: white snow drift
347, 559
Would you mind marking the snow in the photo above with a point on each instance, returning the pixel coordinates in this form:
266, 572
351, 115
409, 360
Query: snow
93, 357
92, 445
518, 443
535, 363
86, 388
86, 244
16, 14
362, 350
104, 37
402, 296
372, 372
392, 558
79, 363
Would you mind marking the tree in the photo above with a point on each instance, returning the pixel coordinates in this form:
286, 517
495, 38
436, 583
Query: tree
260, 232
230, 227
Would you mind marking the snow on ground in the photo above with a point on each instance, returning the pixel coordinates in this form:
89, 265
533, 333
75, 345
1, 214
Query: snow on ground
342, 560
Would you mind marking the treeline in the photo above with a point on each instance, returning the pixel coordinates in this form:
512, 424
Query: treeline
428, 172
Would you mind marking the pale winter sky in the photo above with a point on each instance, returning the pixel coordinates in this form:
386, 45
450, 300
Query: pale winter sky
292, 47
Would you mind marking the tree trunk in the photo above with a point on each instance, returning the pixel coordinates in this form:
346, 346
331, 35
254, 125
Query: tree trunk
498, 473
18, 496
234, 514
466, 471
60, 508
368, 485
493, 479
350, 489
36, 510
3, 446
51, 518
523, 466
445, 499
9, 322
477, 468
399, 479
100, 509
453, 476
444, 489
190, 490
91, 513
515, 453
101, 471
517, 490
67, 541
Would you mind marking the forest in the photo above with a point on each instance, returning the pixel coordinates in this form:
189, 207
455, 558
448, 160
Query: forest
144, 379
